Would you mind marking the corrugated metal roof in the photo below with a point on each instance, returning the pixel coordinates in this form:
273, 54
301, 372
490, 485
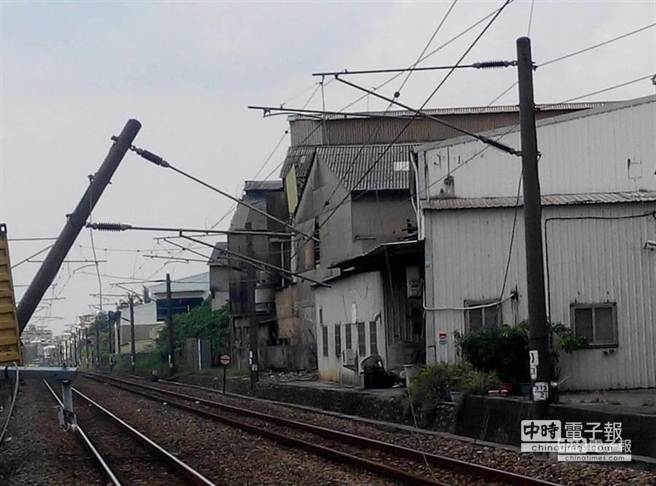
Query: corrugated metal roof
301, 157
549, 200
350, 162
275, 185
466, 110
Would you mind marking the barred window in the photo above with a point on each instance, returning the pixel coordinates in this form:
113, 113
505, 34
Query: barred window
373, 338
349, 339
362, 339
324, 340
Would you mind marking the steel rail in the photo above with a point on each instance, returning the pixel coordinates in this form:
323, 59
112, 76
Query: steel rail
380, 469
191, 474
86, 442
414, 454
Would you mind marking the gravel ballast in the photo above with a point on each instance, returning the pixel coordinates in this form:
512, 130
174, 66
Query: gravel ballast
575, 473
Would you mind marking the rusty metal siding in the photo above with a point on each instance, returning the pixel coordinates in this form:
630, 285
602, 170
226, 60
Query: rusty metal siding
347, 131
588, 261
608, 149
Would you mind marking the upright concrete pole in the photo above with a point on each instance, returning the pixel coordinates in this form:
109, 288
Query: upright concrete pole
133, 354
74, 223
540, 357
97, 321
169, 323
250, 311
86, 345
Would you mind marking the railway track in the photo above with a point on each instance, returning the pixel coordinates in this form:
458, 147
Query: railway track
129, 456
388, 460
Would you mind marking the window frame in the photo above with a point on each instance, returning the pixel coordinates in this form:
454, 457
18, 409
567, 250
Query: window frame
338, 340
362, 339
477, 302
348, 336
373, 337
325, 345
592, 306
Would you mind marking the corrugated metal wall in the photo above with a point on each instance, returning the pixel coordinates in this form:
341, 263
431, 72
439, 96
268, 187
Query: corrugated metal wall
589, 261
610, 151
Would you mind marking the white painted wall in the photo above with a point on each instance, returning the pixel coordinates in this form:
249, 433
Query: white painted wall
588, 261
356, 298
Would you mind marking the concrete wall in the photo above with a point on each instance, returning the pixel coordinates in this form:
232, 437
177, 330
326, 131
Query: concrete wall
380, 219
349, 300
589, 261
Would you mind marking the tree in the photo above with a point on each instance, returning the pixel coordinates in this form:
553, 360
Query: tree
199, 322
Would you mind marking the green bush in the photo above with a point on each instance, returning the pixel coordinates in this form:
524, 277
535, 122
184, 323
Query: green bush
435, 382
503, 350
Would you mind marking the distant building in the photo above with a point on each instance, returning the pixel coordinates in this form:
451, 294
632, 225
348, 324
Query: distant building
150, 313
598, 183
269, 197
219, 276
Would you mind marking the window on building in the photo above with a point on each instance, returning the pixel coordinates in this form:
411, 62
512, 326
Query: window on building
338, 340
362, 339
317, 244
482, 317
324, 339
348, 337
597, 323
373, 337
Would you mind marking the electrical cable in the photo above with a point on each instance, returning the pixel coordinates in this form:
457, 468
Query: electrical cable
434, 51
26, 260
405, 127
12, 405
621, 85
580, 51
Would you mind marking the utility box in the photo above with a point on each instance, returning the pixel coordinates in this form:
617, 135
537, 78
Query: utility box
10, 349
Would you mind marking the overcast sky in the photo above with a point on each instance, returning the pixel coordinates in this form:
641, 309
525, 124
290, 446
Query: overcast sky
74, 72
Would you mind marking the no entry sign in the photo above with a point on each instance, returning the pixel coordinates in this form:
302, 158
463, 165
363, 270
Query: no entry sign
224, 359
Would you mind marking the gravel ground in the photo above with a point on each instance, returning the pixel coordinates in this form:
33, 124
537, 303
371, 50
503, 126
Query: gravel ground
130, 461
526, 464
223, 454
37, 451
417, 467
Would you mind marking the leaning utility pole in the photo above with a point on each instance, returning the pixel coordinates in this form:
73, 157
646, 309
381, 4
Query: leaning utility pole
538, 327
169, 323
74, 223
250, 312
133, 354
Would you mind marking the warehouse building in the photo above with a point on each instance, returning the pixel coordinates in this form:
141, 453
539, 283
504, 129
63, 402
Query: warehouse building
598, 181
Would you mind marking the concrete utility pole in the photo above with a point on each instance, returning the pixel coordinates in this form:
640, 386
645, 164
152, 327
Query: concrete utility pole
133, 354
538, 327
250, 311
74, 223
97, 326
169, 323
86, 345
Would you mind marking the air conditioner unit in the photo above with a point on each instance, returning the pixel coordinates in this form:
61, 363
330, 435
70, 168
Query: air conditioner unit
348, 358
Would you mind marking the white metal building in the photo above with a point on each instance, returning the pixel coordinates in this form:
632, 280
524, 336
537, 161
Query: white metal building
598, 180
